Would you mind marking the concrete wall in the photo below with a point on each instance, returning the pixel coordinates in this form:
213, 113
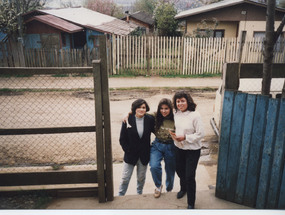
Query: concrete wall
233, 29
230, 28
253, 26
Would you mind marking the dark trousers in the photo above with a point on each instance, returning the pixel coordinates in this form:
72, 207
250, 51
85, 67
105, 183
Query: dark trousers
186, 165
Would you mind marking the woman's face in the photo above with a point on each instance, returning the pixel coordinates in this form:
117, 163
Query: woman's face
181, 104
164, 110
140, 111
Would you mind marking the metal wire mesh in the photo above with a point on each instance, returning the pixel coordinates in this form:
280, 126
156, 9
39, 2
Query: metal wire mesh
45, 101
254, 85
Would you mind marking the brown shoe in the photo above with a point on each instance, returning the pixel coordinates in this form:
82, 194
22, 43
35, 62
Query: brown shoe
157, 192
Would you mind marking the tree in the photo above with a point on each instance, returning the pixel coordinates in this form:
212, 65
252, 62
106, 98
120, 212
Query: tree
108, 7
11, 12
205, 28
270, 39
164, 19
147, 6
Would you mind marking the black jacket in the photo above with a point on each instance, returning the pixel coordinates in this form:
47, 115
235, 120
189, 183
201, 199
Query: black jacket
134, 146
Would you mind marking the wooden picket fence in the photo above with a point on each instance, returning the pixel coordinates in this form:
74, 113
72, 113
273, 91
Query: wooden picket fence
185, 55
150, 55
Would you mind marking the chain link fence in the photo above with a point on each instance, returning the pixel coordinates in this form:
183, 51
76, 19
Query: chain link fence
46, 101
254, 85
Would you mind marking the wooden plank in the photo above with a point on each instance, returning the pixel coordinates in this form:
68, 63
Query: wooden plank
281, 203
245, 143
255, 153
224, 144
231, 76
187, 56
57, 191
43, 70
54, 130
107, 121
148, 56
127, 52
266, 163
254, 70
278, 159
50, 177
118, 54
99, 130
234, 145
114, 53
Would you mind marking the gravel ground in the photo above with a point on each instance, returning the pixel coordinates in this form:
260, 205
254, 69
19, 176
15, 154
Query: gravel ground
31, 200
120, 102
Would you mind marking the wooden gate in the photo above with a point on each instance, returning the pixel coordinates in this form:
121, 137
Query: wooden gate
251, 168
103, 175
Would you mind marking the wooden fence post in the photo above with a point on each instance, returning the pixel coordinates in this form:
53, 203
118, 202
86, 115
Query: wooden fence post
99, 130
231, 76
106, 117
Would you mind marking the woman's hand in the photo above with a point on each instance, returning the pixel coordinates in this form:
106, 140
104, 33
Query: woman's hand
180, 138
176, 138
125, 117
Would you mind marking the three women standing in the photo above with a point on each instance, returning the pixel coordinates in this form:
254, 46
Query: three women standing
188, 135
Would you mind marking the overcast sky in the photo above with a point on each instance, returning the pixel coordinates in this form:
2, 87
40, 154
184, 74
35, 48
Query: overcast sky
57, 3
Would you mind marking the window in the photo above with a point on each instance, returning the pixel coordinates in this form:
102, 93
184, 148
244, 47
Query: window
211, 33
219, 33
63, 39
50, 41
279, 46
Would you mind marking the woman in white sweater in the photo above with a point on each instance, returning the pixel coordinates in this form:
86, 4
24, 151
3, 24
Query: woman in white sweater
189, 131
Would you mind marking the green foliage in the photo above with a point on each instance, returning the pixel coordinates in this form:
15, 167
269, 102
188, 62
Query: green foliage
147, 6
8, 17
108, 7
205, 29
164, 19
11, 12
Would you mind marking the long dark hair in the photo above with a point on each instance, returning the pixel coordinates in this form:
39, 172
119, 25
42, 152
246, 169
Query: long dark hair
137, 103
159, 117
189, 99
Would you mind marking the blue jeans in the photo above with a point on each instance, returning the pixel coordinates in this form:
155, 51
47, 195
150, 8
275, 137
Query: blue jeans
127, 174
158, 152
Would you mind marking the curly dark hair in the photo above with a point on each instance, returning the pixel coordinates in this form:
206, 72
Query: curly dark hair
186, 95
159, 117
137, 103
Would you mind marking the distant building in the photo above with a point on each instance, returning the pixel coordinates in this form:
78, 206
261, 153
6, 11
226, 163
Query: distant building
70, 28
142, 19
233, 17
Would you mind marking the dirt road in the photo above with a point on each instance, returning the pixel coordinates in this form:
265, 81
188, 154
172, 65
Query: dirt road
76, 108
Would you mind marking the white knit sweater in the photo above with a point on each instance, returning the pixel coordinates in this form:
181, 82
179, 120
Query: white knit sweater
190, 124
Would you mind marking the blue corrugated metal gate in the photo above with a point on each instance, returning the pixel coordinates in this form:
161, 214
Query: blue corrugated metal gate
251, 168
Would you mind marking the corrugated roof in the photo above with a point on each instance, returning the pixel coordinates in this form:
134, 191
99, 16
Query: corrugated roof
144, 17
57, 23
207, 8
91, 19
215, 6
116, 27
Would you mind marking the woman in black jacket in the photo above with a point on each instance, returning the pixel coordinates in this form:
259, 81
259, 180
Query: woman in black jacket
135, 141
